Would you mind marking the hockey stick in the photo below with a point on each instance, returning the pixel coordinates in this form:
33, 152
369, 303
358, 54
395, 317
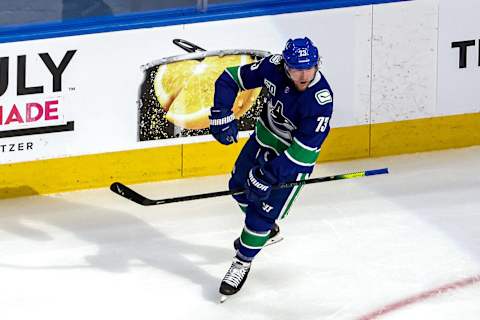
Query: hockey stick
128, 193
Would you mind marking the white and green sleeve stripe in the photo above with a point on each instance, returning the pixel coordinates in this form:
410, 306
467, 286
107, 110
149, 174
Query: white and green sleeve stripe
234, 73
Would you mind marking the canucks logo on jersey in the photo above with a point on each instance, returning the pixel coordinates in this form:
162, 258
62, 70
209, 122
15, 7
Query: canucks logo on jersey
277, 121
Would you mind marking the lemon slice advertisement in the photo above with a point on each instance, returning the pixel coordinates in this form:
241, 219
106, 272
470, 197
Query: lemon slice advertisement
177, 94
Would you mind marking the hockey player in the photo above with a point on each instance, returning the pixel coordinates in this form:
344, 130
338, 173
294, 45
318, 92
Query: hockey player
284, 147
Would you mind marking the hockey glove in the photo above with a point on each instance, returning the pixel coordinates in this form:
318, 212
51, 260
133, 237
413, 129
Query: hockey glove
259, 184
223, 126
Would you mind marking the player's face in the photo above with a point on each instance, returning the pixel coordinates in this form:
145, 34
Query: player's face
302, 77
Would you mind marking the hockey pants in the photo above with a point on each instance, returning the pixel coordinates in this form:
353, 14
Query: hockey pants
259, 216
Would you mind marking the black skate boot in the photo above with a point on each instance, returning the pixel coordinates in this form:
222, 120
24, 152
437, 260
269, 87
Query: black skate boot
234, 279
273, 237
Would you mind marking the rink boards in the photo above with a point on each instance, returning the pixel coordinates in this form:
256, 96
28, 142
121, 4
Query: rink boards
404, 75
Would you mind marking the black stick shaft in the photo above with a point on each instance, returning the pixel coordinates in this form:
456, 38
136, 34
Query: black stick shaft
130, 194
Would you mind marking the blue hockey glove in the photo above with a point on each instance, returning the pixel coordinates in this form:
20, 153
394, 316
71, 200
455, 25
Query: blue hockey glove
259, 184
223, 126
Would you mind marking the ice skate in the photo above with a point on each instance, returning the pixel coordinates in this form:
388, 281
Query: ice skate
234, 278
273, 237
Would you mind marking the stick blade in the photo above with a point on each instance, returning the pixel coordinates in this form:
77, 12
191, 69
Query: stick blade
124, 191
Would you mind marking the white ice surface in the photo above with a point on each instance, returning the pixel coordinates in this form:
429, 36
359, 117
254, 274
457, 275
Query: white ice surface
351, 248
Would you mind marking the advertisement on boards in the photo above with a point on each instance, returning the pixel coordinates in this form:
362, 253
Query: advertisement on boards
458, 57
145, 88
33, 101
177, 93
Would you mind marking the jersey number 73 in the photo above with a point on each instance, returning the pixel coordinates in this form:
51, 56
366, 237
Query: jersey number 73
322, 124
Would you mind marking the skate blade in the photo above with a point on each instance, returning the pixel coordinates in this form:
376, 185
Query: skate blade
223, 298
273, 240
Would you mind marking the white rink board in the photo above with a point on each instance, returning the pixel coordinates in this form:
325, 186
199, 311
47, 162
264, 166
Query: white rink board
409, 70
458, 88
100, 85
404, 65
415, 70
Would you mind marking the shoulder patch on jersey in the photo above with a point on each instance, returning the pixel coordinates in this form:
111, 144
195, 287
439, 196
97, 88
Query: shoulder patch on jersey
323, 97
275, 59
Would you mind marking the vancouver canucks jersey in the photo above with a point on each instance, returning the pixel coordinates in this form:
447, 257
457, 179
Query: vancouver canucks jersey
292, 124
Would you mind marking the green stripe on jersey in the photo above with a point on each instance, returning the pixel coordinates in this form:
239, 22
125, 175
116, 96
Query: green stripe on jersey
293, 196
268, 139
301, 154
234, 72
243, 207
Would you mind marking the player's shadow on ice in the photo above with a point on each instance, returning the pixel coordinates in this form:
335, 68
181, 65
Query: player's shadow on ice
124, 241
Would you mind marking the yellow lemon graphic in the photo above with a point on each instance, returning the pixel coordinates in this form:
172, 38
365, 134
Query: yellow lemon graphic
245, 101
170, 79
191, 107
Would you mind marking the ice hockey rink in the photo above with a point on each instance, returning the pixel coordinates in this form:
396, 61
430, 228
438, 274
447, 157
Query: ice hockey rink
400, 246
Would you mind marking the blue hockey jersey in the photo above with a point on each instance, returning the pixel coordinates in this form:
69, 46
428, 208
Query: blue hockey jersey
292, 124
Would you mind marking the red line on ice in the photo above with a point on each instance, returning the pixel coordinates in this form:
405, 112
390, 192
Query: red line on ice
421, 297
